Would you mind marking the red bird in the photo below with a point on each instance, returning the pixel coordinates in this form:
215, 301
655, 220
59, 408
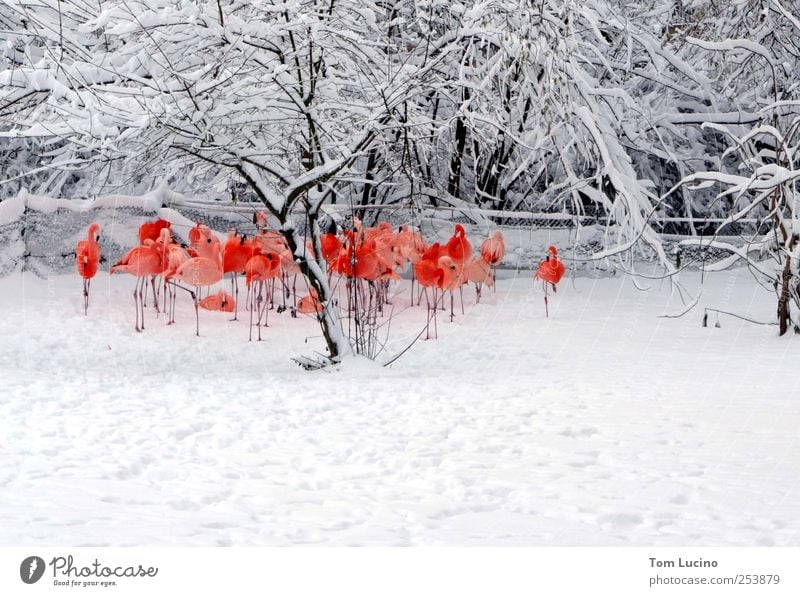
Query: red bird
430, 275
310, 305
331, 247
458, 247
550, 271
141, 262
204, 270
221, 301
260, 269
87, 259
151, 230
493, 249
235, 254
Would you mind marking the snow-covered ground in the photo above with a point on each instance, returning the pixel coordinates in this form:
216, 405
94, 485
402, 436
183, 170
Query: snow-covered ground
603, 424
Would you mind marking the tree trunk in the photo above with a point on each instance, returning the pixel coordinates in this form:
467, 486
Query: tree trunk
457, 159
337, 344
783, 300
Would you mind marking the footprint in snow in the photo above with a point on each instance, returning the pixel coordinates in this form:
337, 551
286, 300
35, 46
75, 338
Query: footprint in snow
679, 500
583, 432
620, 521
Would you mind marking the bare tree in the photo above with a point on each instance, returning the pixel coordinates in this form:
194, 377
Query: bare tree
284, 97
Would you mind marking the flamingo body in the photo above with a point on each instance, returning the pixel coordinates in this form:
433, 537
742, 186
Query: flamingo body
151, 230
87, 260
221, 301
551, 270
493, 249
88, 253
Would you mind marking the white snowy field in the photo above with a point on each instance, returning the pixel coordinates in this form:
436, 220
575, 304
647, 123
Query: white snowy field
602, 425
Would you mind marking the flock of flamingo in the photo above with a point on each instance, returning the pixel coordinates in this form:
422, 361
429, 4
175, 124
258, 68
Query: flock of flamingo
367, 258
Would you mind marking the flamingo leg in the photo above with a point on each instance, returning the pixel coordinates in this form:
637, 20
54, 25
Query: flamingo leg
143, 298
174, 300
452, 314
136, 303
196, 313
546, 313
435, 308
85, 297
261, 308
266, 310
169, 295
428, 317
235, 292
249, 290
155, 293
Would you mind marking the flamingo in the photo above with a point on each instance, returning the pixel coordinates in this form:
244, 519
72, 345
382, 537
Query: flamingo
203, 270
87, 260
451, 278
275, 242
261, 268
140, 261
479, 272
310, 304
151, 230
459, 249
411, 246
174, 256
429, 275
235, 254
493, 250
551, 270
221, 301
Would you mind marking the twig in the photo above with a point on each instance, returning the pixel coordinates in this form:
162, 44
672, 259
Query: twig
722, 312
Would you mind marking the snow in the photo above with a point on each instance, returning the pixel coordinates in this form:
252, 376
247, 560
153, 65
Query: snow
11, 210
602, 425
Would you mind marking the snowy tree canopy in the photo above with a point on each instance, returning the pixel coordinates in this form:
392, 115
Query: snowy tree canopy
592, 106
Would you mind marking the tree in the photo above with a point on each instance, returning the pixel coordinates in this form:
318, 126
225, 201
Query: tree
763, 183
284, 96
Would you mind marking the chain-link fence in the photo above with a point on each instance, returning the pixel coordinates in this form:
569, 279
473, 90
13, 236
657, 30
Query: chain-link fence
39, 234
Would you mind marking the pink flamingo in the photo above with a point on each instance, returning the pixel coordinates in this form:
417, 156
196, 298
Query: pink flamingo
221, 301
261, 268
235, 254
459, 249
479, 272
551, 270
493, 250
203, 270
429, 275
310, 304
411, 246
87, 260
451, 279
141, 262
151, 230
274, 242
174, 256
